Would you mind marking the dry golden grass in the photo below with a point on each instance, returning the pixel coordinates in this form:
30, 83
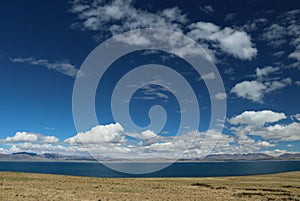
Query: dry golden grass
25, 186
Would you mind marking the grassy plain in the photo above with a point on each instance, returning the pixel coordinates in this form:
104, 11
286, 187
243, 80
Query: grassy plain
27, 186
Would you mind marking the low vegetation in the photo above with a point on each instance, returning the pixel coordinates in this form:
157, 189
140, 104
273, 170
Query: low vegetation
26, 186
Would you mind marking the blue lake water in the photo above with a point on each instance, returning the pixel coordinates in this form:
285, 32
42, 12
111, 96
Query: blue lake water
182, 169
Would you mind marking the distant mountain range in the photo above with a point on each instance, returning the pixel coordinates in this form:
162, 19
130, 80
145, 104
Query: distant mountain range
27, 156
248, 157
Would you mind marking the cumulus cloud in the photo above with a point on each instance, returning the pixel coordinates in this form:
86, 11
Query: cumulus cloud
257, 118
234, 42
31, 137
255, 90
111, 141
50, 139
289, 132
64, 66
118, 16
22, 137
265, 144
39, 148
252, 90
112, 133
265, 124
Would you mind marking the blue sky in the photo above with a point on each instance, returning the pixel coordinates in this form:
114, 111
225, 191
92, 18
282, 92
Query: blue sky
255, 47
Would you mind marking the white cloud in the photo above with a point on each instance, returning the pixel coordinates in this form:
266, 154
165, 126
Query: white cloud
111, 140
112, 133
265, 124
261, 72
31, 137
297, 83
276, 152
50, 139
288, 132
296, 116
39, 148
174, 13
100, 141
275, 85
256, 90
220, 96
275, 35
257, 118
22, 137
265, 144
234, 42
252, 90
295, 55
208, 76
134, 39
143, 135
64, 67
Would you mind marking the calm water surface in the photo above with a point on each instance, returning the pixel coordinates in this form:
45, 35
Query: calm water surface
182, 169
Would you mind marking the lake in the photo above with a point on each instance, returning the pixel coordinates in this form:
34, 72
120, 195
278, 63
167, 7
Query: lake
180, 169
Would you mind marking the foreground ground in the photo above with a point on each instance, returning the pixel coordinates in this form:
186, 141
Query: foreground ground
25, 186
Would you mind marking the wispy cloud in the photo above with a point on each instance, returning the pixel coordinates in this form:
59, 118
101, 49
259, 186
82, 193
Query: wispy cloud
159, 89
63, 66
285, 31
207, 9
208, 76
220, 96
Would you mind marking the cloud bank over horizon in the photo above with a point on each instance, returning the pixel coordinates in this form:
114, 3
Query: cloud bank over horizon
113, 141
